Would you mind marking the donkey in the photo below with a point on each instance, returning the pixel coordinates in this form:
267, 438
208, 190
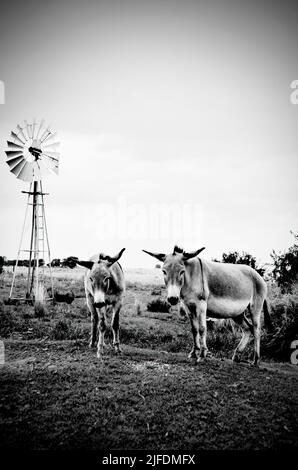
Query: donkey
104, 288
216, 290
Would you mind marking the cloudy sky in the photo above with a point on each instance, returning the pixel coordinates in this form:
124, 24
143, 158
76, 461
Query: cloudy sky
174, 117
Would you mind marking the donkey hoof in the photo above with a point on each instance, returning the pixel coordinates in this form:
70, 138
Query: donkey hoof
99, 355
204, 353
255, 363
193, 355
236, 358
117, 348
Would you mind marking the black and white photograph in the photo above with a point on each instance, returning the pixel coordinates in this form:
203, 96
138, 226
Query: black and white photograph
149, 232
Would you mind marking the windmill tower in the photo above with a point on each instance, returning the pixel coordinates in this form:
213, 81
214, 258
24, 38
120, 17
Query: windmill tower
31, 155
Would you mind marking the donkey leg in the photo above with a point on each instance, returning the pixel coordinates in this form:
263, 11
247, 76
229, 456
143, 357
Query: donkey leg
115, 326
202, 314
194, 323
94, 321
102, 329
247, 329
256, 322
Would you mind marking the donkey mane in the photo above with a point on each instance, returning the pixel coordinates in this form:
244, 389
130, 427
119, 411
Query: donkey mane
177, 250
103, 257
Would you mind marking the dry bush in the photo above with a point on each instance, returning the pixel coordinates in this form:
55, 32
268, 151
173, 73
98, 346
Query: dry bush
158, 305
284, 312
64, 329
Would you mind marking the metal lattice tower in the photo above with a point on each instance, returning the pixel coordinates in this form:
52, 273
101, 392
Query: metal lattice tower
31, 155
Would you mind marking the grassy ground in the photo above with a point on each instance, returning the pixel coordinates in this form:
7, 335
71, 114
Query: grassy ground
55, 394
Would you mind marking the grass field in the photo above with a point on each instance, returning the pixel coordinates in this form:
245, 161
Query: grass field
55, 394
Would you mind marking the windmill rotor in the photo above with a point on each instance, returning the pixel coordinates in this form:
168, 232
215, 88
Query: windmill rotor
32, 151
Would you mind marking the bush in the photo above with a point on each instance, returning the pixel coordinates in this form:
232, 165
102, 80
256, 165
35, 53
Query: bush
9, 322
284, 313
285, 270
158, 305
242, 258
65, 330
39, 309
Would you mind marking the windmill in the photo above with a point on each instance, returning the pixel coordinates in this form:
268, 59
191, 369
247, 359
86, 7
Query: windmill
31, 155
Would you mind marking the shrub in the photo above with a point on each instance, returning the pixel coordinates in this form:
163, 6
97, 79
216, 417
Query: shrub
65, 330
242, 258
284, 312
61, 330
156, 291
285, 270
9, 322
39, 309
158, 305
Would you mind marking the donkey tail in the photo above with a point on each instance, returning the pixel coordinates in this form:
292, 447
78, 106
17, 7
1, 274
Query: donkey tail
267, 317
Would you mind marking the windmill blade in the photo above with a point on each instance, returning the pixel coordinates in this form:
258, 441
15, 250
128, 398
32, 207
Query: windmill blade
49, 137
34, 128
52, 146
26, 172
17, 168
17, 138
52, 155
12, 145
48, 161
13, 153
45, 167
40, 128
12, 162
45, 134
42, 170
28, 129
50, 165
20, 129
54, 161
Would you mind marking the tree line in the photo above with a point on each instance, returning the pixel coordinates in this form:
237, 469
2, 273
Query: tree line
285, 264
56, 262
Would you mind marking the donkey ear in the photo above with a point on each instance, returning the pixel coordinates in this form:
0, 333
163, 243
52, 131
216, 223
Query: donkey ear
159, 256
111, 260
85, 264
187, 256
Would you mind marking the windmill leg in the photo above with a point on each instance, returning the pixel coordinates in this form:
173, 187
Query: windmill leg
20, 245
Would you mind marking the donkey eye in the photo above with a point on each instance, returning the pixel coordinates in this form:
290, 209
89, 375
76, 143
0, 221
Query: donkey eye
164, 272
181, 273
91, 279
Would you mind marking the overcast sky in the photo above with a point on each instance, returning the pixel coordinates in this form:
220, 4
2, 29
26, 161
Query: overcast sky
174, 118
